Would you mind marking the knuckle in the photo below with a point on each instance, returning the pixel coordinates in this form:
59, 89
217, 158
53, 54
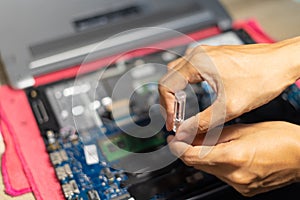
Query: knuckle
163, 89
172, 64
247, 192
238, 178
187, 163
234, 107
203, 126
231, 110
245, 184
242, 178
250, 192
189, 157
161, 85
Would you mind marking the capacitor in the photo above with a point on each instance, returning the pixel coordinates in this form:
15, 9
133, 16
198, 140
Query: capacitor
179, 109
51, 137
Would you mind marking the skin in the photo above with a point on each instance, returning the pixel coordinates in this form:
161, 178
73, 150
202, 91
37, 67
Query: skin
251, 158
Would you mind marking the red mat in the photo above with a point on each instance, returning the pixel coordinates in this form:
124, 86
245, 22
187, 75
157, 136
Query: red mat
25, 163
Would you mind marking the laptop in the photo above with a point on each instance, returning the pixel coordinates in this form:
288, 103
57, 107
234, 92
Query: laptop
90, 70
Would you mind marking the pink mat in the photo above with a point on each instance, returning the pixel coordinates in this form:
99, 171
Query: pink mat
12, 169
25, 164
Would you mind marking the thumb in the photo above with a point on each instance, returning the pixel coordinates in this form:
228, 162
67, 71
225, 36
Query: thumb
178, 148
196, 124
212, 116
201, 123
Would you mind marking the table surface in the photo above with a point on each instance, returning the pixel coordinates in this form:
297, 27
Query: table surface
279, 18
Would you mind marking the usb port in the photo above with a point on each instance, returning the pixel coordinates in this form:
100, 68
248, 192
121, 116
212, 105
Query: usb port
40, 111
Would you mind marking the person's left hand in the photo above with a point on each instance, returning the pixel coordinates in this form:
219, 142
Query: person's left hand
252, 158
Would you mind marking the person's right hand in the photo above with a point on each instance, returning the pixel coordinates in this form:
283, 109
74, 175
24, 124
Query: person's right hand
244, 77
252, 158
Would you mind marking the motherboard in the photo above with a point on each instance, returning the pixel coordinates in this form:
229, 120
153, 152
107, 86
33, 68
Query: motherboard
110, 144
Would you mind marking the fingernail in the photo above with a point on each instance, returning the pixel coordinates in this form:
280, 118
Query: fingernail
169, 125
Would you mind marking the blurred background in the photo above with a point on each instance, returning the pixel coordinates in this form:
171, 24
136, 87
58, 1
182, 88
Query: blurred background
279, 18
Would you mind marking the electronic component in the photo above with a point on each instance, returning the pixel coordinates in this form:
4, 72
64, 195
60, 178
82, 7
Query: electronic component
55, 158
109, 175
67, 190
51, 137
60, 173
93, 195
68, 170
69, 133
74, 186
119, 145
70, 189
51, 140
123, 197
63, 155
40, 111
91, 155
63, 172
179, 109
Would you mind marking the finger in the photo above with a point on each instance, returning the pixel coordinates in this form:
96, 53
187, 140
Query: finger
178, 63
197, 124
174, 63
196, 155
232, 132
189, 50
167, 108
188, 130
177, 147
168, 85
193, 126
198, 140
213, 116
187, 69
229, 133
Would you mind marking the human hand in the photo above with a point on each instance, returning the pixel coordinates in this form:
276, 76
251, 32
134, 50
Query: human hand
244, 77
252, 158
